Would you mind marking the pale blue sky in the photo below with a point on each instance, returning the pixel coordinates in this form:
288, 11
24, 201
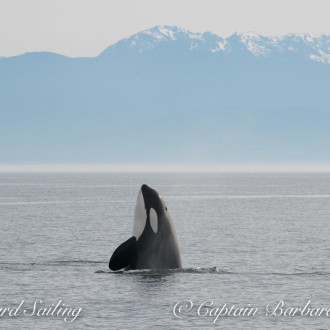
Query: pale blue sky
86, 27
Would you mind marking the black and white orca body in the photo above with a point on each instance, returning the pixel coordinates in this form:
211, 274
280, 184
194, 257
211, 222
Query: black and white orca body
153, 244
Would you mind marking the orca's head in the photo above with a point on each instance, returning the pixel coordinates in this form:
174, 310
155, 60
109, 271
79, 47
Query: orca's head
149, 205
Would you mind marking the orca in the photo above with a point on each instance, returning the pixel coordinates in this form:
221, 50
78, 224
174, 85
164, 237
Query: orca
154, 243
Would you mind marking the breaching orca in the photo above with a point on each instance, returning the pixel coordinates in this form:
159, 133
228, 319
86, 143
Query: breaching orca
153, 244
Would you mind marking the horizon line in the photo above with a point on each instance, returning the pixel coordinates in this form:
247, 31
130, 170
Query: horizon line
164, 168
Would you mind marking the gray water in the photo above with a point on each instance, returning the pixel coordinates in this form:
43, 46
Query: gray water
246, 240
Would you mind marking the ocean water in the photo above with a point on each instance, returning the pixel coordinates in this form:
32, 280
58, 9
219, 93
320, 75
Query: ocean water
249, 242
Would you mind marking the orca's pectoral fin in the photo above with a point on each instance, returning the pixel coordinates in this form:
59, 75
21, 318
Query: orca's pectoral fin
122, 255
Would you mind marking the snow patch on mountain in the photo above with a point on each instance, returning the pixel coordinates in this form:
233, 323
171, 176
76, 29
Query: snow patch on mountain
313, 47
253, 43
323, 57
222, 45
167, 32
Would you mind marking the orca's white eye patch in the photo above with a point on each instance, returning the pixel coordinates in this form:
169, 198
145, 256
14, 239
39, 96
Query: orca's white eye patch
140, 216
153, 220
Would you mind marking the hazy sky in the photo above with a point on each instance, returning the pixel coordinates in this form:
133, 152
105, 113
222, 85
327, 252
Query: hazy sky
86, 27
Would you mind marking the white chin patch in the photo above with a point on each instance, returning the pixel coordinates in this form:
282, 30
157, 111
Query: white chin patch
140, 216
153, 220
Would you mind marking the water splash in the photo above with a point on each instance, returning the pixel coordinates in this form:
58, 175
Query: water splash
189, 270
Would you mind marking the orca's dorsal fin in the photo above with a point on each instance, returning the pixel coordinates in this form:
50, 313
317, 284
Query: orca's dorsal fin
123, 254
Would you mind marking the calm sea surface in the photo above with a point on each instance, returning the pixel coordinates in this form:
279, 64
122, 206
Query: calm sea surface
246, 240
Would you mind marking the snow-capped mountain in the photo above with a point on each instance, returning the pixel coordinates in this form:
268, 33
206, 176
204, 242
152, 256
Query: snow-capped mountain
167, 95
314, 47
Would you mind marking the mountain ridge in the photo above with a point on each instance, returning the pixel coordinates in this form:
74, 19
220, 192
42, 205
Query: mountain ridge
318, 43
176, 101
256, 43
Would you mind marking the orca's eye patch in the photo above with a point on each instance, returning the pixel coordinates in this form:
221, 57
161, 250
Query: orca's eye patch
153, 220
